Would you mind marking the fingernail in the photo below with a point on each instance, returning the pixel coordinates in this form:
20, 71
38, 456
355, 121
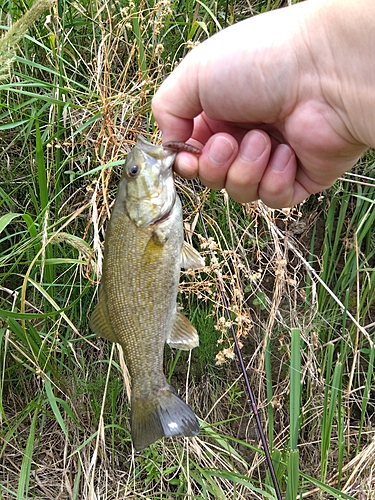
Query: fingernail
253, 147
220, 151
281, 158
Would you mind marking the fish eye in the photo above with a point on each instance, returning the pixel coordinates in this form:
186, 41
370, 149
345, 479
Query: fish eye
133, 171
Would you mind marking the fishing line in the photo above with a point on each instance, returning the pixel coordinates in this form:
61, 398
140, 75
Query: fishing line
251, 400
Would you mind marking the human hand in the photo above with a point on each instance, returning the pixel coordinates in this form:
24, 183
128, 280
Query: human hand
274, 102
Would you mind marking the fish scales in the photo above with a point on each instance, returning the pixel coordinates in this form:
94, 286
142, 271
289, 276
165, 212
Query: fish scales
147, 290
143, 256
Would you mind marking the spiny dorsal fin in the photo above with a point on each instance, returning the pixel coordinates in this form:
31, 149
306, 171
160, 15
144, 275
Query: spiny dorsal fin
190, 258
183, 335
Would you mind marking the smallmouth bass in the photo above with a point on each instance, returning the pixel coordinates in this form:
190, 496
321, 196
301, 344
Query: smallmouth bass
144, 251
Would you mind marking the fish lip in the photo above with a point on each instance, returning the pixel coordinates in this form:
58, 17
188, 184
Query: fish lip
158, 152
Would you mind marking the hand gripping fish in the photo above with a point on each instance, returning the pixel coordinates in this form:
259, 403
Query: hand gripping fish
144, 252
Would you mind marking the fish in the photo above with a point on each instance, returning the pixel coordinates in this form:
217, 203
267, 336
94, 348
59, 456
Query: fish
144, 251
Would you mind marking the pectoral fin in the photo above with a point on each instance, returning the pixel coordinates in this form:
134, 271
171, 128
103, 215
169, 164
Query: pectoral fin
99, 322
190, 258
183, 336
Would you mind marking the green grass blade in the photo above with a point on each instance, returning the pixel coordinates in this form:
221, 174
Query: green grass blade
268, 369
24, 481
328, 415
295, 387
141, 50
42, 172
6, 219
366, 393
293, 475
53, 402
211, 14
326, 488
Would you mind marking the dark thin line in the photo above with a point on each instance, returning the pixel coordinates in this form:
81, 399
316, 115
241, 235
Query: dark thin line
251, 400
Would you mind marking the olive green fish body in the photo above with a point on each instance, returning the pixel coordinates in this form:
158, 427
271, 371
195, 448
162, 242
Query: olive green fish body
144, 253
140, 280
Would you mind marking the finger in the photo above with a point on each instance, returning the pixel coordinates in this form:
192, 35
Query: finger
217, 156
186, 165
247, 169
278, 187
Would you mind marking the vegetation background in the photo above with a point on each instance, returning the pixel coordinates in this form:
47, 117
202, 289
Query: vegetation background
299, 284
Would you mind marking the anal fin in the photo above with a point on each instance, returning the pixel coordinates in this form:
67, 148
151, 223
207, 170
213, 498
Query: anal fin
183, 335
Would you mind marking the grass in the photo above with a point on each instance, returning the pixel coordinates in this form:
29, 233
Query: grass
299, 285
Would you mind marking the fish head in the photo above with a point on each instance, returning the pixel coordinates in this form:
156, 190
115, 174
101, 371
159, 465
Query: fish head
147, 180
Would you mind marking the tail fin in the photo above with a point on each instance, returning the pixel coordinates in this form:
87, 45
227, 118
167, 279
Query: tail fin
161, 414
